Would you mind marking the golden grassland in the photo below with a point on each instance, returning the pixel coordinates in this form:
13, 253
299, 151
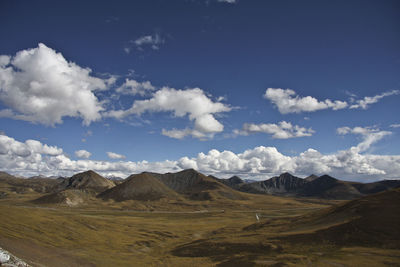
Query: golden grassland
174, 233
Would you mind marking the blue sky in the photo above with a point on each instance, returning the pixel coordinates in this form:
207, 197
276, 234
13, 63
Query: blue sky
299, 86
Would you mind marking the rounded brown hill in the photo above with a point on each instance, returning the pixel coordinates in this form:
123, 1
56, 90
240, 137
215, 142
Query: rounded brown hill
88, 180
70, 197
139, 187
197, 186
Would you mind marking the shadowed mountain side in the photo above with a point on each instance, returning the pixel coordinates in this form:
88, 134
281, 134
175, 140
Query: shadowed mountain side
233, 182
139, 187
376, 187
197, 186
311, 178
285, 184
328, 187
368, 221
324, 186
88, 180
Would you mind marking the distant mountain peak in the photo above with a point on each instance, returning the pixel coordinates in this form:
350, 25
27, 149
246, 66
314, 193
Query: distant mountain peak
87, 180
189, 171
89, 172
232, 182
236, 179
327, 177
311, 177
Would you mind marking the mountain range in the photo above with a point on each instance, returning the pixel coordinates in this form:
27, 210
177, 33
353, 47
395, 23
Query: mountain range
187, 184
313, 186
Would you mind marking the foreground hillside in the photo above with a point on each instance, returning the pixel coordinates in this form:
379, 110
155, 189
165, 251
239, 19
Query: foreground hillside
369, 221
362, 231
289, 233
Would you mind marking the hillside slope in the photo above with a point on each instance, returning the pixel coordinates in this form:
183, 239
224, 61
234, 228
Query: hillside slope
69, 197
139, 187
368, 221
233, 182
197, 186
326, 186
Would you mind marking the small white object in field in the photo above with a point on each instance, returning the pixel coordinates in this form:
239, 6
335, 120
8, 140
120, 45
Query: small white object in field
4, 257
258, 218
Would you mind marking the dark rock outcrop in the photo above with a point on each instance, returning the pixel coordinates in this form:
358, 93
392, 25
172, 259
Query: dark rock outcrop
284, 184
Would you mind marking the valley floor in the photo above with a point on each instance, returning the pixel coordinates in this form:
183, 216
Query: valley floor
159, 233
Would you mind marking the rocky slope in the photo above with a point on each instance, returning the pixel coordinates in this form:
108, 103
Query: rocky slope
285, 184
9, 260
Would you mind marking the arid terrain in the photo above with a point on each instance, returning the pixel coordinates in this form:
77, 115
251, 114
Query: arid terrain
189, 219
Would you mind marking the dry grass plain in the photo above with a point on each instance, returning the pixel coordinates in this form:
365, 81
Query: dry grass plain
177, 233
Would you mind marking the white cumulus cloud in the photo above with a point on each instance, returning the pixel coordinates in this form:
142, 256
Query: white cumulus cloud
287, 101
282, 130
25, 157
132, 87
193, 103
113, 155
32, 157
368, 100
83, 154
264, 162
41, 86
10, 146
